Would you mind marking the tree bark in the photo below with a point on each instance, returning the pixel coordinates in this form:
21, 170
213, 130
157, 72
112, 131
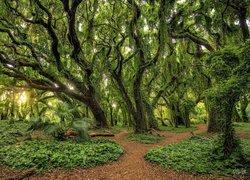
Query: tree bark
213, 125
101, 120
111, 115
242, 13
12, 113
185, 116
152, 123
236, 117
243, 107
140, 118
230, 142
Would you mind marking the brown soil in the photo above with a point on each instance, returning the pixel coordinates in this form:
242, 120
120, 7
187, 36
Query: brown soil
131, 166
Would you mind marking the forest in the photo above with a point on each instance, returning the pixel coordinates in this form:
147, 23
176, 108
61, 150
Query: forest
124, 89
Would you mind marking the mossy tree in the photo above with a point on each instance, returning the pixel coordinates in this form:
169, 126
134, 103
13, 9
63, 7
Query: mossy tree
230, 69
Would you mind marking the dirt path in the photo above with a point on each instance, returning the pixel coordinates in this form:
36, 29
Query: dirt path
131, 166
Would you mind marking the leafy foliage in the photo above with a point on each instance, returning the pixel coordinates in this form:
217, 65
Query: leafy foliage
230, 81
180, 129
58, 129
52, 129
45, 155
113, 130
9, 132
145, 138
242, 127
194, 155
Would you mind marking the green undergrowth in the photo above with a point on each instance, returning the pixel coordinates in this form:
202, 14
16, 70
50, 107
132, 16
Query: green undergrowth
43, 155
195, 156
145, 138
9, 132
207, 134
242, 127
180, 129
113, 130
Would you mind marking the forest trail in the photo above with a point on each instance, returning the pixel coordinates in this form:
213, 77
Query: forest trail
131, 165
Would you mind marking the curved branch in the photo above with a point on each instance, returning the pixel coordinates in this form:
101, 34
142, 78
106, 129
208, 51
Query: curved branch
193, 38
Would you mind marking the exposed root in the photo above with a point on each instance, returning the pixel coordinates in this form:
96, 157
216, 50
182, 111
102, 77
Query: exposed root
22, 175
101, 135
153, 131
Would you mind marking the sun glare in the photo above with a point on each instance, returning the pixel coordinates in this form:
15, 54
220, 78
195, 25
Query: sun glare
23, 98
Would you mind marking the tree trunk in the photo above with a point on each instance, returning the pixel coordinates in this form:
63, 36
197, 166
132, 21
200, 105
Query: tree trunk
244, 115
186, 118
12, 108
111, 116
125, 119
150, 116
230, 142
177, 116
236, 117
98, 113
138, 114
140, 117
174, 116
152, 120
130, 121
140, 124
243, 108
243, 23
213, 125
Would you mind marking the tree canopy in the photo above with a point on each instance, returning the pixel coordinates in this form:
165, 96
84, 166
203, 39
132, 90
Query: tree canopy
127, 59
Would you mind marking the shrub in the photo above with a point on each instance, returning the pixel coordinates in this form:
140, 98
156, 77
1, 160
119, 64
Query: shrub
195, 156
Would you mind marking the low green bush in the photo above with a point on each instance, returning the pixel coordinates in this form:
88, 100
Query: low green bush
145, 138
44, 155
195, 156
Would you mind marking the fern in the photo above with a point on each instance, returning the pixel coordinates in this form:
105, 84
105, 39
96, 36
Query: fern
51, 129
81, 127
58, 130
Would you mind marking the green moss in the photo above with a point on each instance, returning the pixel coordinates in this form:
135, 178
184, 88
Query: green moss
195, 156
145, 138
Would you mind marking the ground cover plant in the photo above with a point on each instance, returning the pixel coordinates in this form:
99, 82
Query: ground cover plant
180, 129
242, 127
113, 130
43, 155
195, 155
9, 132
145, 138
